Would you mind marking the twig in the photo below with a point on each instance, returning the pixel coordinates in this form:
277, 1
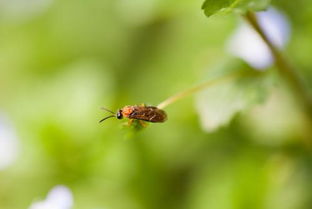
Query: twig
285, 69
195, 89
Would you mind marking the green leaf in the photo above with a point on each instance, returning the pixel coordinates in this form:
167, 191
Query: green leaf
211, 7
218, 104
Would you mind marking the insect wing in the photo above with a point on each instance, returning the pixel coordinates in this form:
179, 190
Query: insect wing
148, 113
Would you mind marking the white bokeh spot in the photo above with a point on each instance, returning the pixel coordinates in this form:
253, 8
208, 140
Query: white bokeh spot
9, 144
59, 197
246, 44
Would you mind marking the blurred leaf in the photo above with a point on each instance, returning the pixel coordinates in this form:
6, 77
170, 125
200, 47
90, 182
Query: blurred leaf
211, 7
218, 104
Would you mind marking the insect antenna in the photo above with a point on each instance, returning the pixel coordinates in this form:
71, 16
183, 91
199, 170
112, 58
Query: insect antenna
111, 116
103, 108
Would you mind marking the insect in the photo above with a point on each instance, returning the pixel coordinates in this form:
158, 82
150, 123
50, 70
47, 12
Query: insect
139, 112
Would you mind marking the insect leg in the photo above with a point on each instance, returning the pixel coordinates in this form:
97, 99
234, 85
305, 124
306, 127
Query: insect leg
142, 123
130, 122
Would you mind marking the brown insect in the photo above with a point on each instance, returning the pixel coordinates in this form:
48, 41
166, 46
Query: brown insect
139, 112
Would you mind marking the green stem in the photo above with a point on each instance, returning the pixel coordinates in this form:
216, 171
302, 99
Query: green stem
284, 67
195, 89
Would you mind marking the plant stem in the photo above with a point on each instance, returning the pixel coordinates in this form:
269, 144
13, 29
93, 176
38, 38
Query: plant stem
284, 67
195, 89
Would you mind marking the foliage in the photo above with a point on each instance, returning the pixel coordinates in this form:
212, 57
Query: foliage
218, 104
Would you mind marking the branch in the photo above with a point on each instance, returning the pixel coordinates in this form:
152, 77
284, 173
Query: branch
285, 69
195, 89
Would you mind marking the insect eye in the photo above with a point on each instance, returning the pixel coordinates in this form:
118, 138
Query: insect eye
119, 115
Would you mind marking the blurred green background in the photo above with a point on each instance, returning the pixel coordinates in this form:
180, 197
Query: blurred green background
61, 60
